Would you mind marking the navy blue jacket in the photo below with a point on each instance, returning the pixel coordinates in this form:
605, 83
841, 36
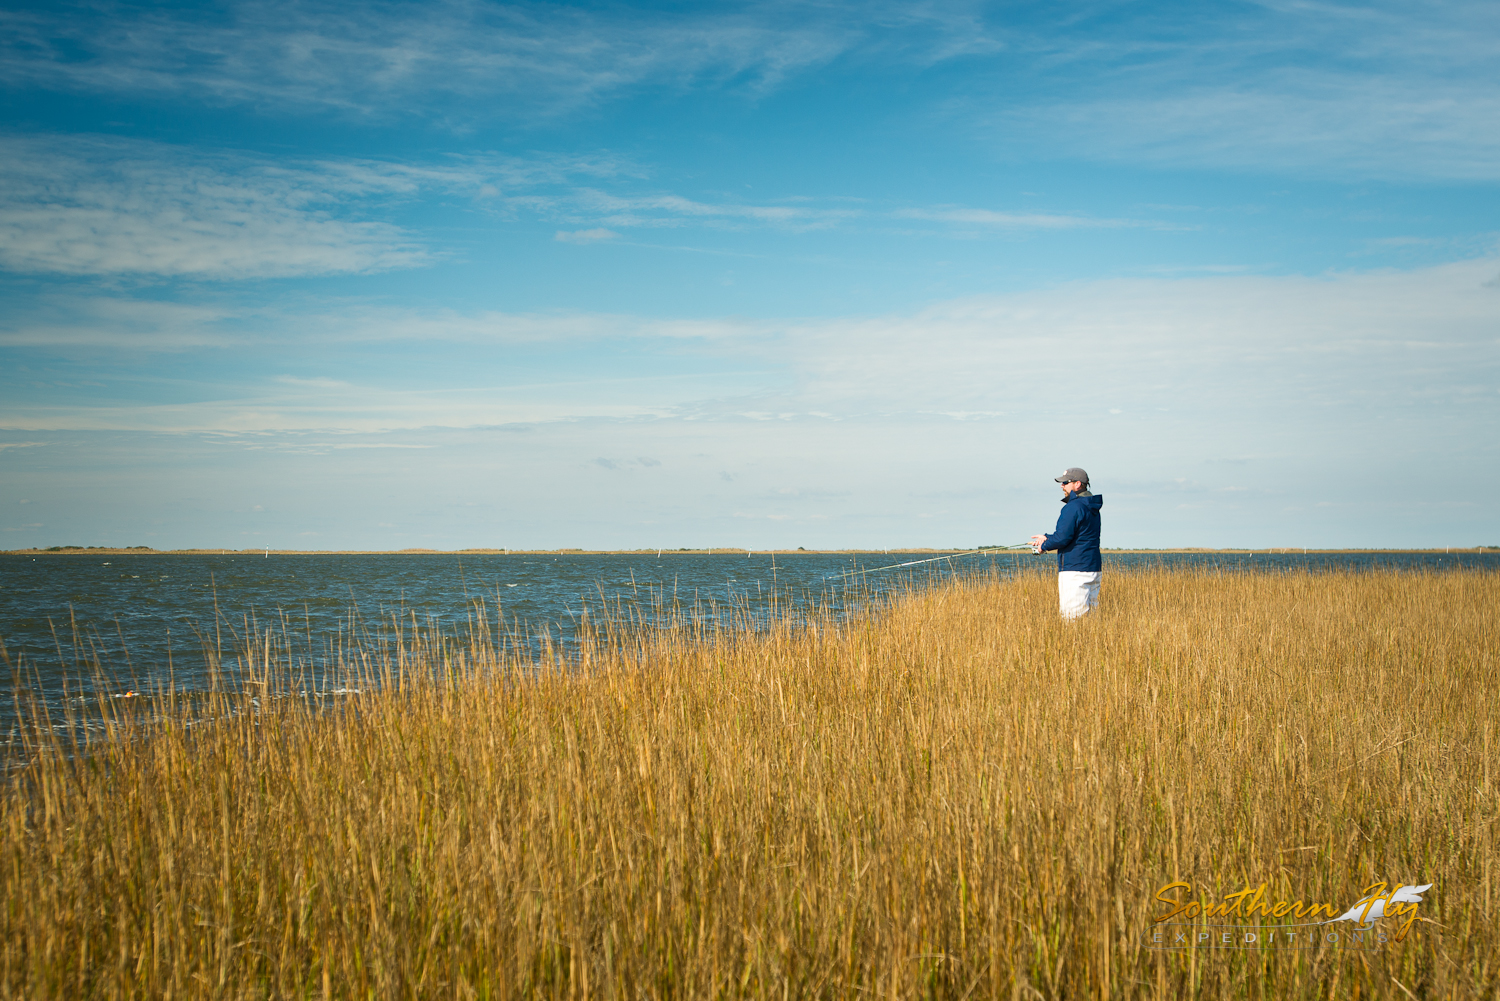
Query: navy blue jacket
1076, 537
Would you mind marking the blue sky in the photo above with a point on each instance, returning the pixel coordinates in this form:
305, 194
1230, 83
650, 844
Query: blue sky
327, 275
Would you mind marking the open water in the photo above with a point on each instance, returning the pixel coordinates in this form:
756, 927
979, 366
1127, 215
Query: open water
137, 622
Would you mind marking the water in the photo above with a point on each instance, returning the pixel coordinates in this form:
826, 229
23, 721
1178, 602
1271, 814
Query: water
148, 620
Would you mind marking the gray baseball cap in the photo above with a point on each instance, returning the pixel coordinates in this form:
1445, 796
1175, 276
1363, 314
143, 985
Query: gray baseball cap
1070, 474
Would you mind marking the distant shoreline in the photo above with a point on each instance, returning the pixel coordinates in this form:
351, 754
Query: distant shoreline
147, 551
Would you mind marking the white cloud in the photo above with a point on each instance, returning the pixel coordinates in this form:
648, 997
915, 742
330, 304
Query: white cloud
1383, 88
63, 321
1266, 345
1015, 220
376, 324
115, 322
83, 206
329, 56
104, 206
111, 207
316, 383
302, 407
675, 210
1349, 349
1359, 128
585, 235
1380, 89
584, 204
477, 59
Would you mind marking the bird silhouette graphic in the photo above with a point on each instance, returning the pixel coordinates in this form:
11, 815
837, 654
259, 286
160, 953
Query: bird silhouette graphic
1403, 895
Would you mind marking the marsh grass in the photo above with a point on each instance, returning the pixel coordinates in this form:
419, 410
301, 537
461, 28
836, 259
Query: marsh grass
958, 796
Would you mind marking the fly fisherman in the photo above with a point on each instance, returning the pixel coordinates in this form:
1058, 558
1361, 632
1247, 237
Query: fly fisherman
1076, 540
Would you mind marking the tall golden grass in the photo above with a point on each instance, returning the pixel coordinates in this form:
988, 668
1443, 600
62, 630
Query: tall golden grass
956, 796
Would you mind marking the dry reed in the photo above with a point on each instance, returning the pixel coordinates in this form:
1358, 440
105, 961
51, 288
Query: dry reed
958, 796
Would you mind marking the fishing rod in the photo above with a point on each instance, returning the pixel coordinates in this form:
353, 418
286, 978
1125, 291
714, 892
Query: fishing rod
936, 559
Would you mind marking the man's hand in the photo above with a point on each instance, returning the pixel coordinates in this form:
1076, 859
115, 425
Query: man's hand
1036, 543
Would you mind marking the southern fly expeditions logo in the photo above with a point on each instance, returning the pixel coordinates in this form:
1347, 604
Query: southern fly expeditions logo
1383, 915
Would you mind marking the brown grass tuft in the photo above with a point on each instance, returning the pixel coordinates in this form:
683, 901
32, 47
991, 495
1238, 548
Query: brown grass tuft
957, 797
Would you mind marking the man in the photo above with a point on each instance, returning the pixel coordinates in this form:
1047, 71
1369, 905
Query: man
1076, 540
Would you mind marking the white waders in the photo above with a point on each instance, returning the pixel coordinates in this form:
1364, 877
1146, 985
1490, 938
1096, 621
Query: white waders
1077, 592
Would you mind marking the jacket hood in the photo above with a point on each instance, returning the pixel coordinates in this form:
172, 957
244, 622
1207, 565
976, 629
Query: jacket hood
1093, 501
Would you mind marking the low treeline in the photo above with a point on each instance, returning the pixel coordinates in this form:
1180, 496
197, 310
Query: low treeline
953, 795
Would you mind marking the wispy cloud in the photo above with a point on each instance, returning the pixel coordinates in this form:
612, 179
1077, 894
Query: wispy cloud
316, 383
112, 207
1382, 89
667, 210
108, 207
373, 325
1267, 346
585, 235
536, 57
1360, 128
369, 410
67, 322
62, 322
104, 206
989, 218
377, 444
676, 210
1271, 351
